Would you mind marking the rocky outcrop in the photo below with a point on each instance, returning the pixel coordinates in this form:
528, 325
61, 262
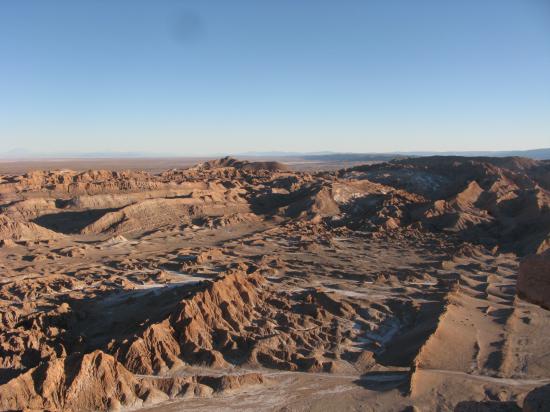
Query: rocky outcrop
17, 230
236, 319
97, 381
495, 202
534, 279
155, 213
194, 332
244, 165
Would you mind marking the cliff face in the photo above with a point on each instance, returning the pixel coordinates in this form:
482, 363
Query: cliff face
534, 279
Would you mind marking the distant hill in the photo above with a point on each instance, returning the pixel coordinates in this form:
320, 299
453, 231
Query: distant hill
537, 154
354, 157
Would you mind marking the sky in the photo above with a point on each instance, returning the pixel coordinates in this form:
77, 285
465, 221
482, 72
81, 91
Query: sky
201, 77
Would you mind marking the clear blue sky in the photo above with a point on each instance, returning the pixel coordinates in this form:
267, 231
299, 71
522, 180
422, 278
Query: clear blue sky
199, 77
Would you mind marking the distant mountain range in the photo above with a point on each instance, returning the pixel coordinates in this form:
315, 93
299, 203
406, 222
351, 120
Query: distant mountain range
23, 154
537, 154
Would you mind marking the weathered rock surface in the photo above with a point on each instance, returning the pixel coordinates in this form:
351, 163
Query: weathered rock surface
534, 279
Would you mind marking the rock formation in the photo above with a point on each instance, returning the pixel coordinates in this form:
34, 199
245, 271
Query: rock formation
534, 279
390, 284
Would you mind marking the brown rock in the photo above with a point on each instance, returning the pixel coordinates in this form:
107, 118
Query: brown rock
534, 279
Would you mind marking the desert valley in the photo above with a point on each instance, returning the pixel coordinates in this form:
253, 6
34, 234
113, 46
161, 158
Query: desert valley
418, 284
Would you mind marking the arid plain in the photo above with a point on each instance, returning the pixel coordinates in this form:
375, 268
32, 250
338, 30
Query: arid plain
247, 285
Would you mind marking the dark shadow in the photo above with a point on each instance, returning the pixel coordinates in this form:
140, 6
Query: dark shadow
70, 222
496, 406
385, 381
418, 324
6, 374
501, 315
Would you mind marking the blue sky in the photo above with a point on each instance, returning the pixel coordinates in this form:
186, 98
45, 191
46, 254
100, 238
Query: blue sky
199, 77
